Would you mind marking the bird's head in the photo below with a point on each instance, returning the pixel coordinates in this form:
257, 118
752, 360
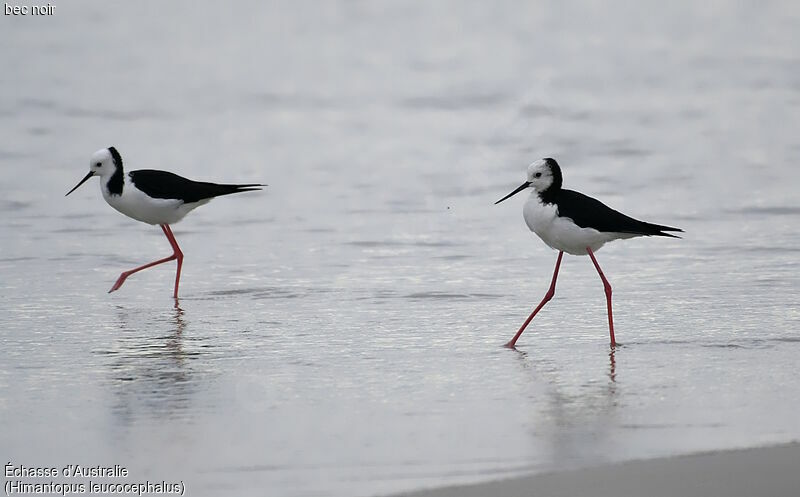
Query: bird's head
543, 175
103, 163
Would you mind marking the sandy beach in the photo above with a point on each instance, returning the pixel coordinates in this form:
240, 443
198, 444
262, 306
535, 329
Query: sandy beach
763, 472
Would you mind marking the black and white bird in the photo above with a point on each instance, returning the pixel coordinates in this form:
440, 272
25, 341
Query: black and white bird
574, 223
153, 197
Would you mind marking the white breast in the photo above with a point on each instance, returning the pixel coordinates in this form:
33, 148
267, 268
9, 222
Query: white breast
561, 233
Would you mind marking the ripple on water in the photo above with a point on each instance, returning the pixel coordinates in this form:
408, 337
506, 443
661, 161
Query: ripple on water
256, 293
448, 296
14, 205
401, 243
455, 101
779, 210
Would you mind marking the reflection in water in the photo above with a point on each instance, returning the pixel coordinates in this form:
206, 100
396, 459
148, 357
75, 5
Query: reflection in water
149, 367
612, 367
577, 421
612, 362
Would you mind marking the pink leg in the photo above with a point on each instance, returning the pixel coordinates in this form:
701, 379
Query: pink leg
546, 299
176, 254
607, 287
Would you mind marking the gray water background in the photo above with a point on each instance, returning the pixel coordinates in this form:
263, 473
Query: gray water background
341, 332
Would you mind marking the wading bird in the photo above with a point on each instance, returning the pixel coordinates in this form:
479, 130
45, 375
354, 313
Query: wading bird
153, 197
574, 223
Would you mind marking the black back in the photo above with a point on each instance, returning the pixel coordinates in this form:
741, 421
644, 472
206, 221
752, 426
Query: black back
588, 212
163, 184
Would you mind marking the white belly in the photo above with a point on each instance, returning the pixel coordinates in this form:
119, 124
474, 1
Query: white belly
561, 233
135, 204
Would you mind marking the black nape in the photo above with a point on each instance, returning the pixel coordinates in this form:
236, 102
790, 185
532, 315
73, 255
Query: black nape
116, 181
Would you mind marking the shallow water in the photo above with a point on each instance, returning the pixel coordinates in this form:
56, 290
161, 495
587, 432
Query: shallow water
341, 332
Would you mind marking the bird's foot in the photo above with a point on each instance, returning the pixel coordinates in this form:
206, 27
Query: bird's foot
120, 281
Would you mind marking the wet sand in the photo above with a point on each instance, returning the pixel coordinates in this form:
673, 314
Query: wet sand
762, 472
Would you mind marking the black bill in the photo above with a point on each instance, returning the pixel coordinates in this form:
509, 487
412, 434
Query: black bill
519, 189
82, 182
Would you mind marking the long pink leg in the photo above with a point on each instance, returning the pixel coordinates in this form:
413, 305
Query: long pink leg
607, 287
176, 254
546, 299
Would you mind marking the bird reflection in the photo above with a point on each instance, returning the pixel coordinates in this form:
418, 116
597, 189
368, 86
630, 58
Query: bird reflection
178, 319
149, 367
612, 361
575, 417
612, 365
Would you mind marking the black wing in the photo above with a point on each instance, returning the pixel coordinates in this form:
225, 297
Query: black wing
163, 184
587, 212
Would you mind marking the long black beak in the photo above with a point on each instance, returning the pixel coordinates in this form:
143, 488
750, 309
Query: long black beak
91, 173
519, 189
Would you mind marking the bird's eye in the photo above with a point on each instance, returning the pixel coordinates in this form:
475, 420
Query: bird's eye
98, 164
537, 175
